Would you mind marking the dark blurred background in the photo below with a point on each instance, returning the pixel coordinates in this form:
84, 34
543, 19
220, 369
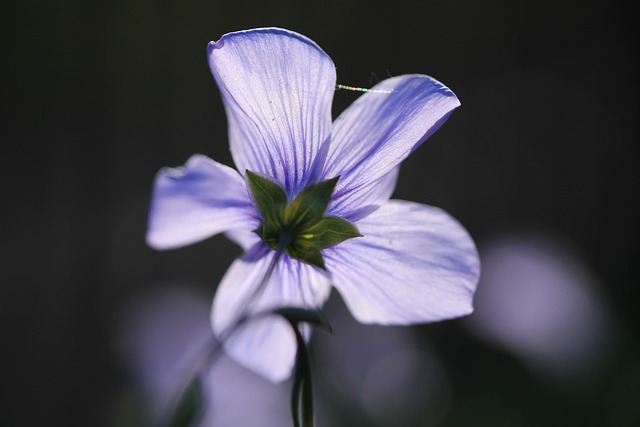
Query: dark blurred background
97, 96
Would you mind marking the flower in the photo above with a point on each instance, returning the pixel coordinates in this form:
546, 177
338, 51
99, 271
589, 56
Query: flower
396, 262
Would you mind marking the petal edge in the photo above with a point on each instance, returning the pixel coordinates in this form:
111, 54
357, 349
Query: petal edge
381, 128
277, 87
196, 201
415, 264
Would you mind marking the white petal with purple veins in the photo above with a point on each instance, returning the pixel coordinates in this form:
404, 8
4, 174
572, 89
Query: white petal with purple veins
277, 87
414, 264
380, 129
265, 344
196, 201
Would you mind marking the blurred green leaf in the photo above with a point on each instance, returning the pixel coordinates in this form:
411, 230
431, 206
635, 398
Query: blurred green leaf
189, 408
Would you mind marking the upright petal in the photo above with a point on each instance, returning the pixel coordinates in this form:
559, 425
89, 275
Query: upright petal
264, 343
277, 87
414, 264
196, 201
379, 130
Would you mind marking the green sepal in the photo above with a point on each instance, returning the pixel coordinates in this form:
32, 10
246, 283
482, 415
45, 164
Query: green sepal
270, 198
306, 253
311, 203
330, 231
300, 229
269, 234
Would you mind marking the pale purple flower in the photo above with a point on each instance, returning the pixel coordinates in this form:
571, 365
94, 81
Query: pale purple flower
162, 335
414, 263
541, 301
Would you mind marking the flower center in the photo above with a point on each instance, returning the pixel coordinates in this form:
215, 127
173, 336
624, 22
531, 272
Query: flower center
300, 228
